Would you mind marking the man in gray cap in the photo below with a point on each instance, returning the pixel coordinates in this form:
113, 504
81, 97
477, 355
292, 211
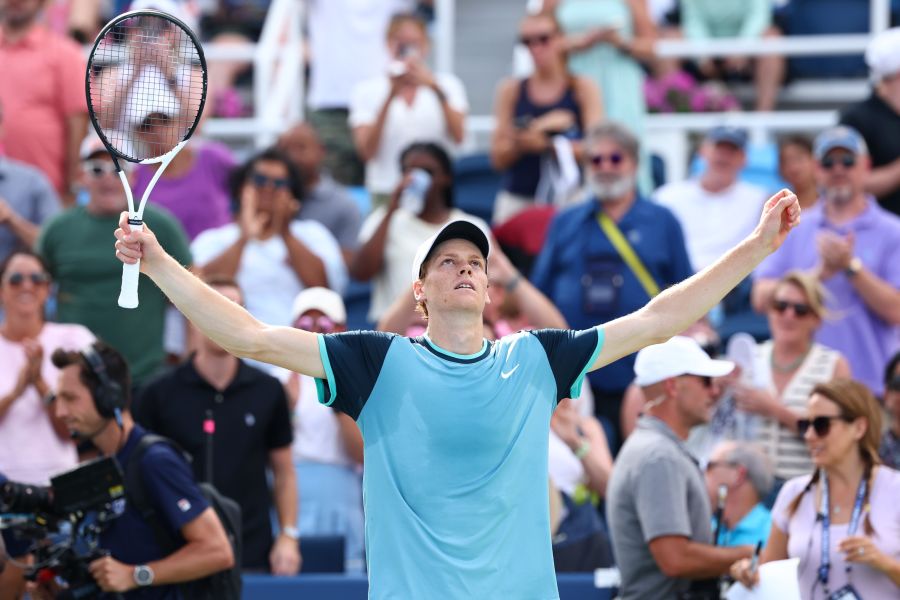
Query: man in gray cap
716, 209
877, 118
852, 245
657, 505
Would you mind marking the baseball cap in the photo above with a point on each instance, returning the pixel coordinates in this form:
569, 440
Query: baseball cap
679, 356
454, 230
841, 136
883, 54
320, 298
731, 135
91, 145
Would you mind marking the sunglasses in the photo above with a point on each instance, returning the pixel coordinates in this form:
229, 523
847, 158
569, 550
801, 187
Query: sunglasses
17, 279
821, 425
321, 324
847, 160
260, 180
99, 168
615, 159
800, 309
536, 40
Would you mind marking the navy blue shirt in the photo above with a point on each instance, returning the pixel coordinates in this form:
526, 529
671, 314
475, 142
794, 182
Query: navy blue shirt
578, 254
173, 493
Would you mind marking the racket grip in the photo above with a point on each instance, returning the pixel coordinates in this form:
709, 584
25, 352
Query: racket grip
128, 296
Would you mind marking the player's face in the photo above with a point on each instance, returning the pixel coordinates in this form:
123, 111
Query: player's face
74, 404
456, 278
24, 287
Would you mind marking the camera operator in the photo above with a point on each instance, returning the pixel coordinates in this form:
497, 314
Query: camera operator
93, 399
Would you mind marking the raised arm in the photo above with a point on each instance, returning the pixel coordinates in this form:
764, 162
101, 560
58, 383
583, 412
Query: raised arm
223, 321
676, 308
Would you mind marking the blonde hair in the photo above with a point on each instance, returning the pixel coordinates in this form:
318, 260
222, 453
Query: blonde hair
401, 19
812, 288
855, 401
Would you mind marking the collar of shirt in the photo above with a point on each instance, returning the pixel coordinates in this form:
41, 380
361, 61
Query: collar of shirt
246, 375
137, 432
867, 219
33, 39
649, 423
752, 521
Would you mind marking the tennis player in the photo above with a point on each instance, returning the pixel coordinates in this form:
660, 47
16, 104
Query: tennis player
455, 427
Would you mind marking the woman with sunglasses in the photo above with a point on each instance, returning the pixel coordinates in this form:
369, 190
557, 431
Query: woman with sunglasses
409, 103
530, 112
328, 447
843, 520
270, 253
33, 444
792, 363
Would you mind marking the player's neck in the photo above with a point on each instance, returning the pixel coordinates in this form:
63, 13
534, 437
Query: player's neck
219, 370
459, 333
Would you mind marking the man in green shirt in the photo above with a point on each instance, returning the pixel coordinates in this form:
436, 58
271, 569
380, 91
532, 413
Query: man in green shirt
76, 247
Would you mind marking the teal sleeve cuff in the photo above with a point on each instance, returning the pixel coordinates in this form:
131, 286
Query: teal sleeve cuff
326, 389
575, 391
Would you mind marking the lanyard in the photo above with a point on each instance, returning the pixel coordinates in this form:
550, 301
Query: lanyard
825, 564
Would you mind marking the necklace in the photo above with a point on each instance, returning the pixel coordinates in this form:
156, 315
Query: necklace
791, 366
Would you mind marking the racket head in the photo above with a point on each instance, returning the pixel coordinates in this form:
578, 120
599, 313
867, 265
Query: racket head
145, 84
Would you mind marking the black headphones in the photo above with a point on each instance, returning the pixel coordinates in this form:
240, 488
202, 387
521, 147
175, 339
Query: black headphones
108, 396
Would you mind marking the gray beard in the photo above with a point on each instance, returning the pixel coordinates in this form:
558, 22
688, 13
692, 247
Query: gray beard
839, 196
609, 191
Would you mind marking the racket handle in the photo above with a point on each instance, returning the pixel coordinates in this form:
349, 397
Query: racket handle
128, 296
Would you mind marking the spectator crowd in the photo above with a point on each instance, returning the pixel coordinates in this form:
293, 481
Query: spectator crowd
673, 464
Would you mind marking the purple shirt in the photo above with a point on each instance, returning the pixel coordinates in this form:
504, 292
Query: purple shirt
199, 199
804, 533
854, 329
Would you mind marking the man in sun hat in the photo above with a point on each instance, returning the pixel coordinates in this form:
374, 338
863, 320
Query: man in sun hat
456, 428
658, 508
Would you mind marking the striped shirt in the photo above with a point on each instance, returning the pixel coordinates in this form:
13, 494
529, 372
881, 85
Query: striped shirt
785, 447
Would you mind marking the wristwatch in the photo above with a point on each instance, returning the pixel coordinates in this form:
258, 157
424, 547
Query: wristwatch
291, 532
143, 575
854, 267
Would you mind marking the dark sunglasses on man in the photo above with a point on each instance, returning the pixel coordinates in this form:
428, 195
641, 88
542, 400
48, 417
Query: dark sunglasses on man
847, 160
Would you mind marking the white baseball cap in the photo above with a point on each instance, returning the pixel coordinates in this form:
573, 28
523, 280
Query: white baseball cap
454, 230
883, 54
320, 298
679, 356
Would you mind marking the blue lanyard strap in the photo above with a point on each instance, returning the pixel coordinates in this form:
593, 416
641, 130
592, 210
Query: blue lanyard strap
825, 563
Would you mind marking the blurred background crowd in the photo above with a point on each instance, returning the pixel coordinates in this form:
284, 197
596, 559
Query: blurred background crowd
612, 147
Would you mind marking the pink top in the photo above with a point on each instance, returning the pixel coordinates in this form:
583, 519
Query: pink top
41, 85
805, 534
30, 450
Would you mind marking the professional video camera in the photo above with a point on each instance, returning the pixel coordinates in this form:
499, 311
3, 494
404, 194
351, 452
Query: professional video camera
63, 522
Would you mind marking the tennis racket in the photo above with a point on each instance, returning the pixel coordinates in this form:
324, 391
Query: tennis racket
146, 87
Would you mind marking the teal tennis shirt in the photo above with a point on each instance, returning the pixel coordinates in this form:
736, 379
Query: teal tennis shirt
455, 482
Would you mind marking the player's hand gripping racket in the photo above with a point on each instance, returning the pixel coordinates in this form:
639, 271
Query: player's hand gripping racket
146, 86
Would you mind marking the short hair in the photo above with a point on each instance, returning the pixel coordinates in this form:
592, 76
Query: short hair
796, 139
400, 19
21, 251
241, 174
759, 468
116, 368
620, 134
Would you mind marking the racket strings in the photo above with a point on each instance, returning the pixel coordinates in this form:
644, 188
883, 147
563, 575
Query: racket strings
146, 87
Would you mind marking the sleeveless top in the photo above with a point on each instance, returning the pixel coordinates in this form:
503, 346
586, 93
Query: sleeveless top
523, 176
784, 447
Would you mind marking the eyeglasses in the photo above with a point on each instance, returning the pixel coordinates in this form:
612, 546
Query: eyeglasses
17, 279
99, 168
260, 180
821, 425
847, 160
536, 40
318, 324
615, 159
800, 309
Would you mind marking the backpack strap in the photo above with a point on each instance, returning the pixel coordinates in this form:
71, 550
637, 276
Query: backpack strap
136, 491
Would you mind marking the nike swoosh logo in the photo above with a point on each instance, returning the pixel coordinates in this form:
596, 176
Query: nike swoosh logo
508, 374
